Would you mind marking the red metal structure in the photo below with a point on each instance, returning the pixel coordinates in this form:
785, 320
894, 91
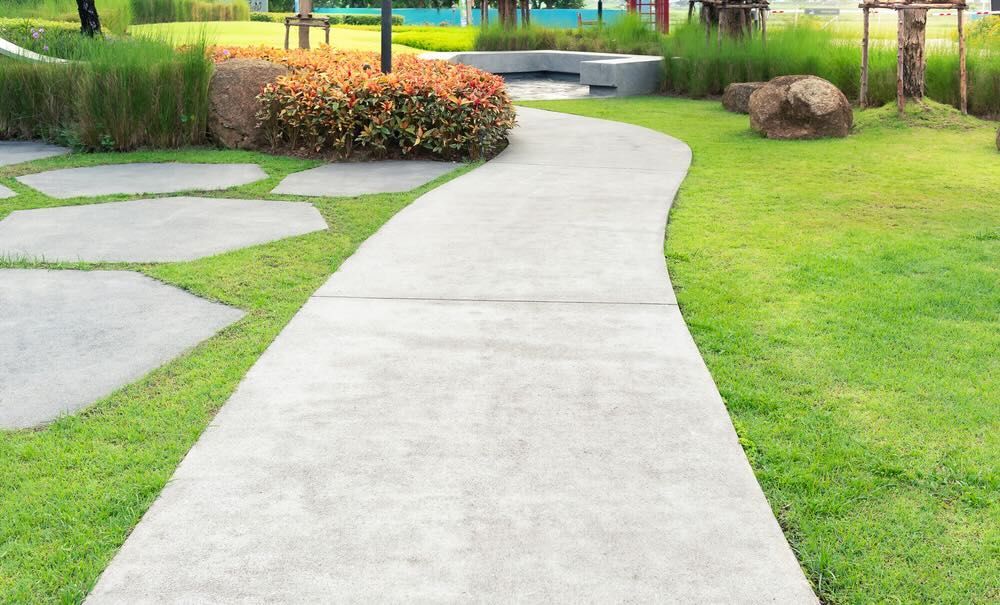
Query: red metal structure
655, 12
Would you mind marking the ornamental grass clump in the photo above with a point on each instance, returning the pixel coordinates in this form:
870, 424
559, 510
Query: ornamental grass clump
339, 103
111, 95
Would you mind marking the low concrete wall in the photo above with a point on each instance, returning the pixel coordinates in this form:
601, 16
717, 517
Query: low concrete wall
626, 74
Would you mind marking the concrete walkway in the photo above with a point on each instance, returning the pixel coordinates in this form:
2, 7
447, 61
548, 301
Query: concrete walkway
494, 400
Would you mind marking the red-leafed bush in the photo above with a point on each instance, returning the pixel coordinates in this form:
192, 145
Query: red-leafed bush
339, 102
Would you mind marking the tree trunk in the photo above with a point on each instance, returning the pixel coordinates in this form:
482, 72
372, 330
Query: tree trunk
508, 14
90, 22
912, 49
525, 13
305, 10
734, 23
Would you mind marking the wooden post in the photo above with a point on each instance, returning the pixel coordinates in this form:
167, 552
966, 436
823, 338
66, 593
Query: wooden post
900, 99
288, 30
305, 10
863, 100
763, 26
963, 84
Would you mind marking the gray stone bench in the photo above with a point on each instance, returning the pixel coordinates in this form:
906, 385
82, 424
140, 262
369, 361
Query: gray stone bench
603, 72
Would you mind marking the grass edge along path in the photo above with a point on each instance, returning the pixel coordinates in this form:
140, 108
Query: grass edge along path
71, 492
845, 295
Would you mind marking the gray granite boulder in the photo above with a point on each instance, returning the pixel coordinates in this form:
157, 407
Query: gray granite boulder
232, 101
800, 107
736, 97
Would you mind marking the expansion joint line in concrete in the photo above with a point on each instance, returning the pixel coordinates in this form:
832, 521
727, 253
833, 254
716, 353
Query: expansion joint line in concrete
501, 300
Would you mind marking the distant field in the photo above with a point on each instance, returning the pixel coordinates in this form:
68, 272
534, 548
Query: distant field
253, 33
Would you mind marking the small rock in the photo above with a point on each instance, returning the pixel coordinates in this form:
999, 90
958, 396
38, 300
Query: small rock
800, 107
232, 101
736, 97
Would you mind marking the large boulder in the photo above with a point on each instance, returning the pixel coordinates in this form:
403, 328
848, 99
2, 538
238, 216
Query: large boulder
232, 101
736, 97
800, 107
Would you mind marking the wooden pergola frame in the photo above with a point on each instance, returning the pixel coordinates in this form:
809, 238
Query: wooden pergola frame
761, 6
900, 7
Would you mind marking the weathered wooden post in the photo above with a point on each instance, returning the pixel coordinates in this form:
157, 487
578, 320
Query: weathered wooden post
963, 85
863, 100
305, 11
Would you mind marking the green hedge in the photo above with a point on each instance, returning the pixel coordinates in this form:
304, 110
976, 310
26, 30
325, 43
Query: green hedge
113, 95
167, 11
366, 20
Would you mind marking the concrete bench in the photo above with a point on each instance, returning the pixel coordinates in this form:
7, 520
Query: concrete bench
604, 72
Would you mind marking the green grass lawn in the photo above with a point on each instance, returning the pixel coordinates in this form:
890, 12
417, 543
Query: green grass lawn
846, 297
70, 492
257, 33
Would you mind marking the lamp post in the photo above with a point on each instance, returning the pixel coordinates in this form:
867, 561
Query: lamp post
386, 36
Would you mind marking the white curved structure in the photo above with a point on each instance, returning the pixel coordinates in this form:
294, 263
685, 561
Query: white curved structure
606, 73
9, 49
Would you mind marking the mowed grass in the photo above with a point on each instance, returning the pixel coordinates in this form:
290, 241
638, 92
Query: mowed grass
846, 297
71, 491
258, 33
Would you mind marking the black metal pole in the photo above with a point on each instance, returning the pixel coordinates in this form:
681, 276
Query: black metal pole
386, 36
600, 12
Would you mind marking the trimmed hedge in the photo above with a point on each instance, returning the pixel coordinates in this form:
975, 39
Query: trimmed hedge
334, 19
340, 103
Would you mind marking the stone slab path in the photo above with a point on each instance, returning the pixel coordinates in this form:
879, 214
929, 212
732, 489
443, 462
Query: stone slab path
68, 338
15, 152
6, 192
494, 400
156, 230
358, 178
141, 178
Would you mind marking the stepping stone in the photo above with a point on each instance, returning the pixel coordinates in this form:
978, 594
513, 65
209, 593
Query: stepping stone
73, 337
157, 230
357, 178
6, 193
15, 152
167, 177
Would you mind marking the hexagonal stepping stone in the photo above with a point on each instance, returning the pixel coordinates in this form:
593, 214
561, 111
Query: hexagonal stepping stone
169, 177
156, 230
15, 152
357, 178
6, 193
73, 337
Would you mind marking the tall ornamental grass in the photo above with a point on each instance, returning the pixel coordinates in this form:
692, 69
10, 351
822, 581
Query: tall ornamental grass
113, 95
696, 66
117, 15
627, 35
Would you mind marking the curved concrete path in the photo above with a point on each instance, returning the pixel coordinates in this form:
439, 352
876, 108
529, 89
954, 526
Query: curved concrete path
494, 400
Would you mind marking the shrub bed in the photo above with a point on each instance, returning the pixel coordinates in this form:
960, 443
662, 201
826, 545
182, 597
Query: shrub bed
114, 95
339, 103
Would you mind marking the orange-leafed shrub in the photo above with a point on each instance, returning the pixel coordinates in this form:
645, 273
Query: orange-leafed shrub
340, 102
